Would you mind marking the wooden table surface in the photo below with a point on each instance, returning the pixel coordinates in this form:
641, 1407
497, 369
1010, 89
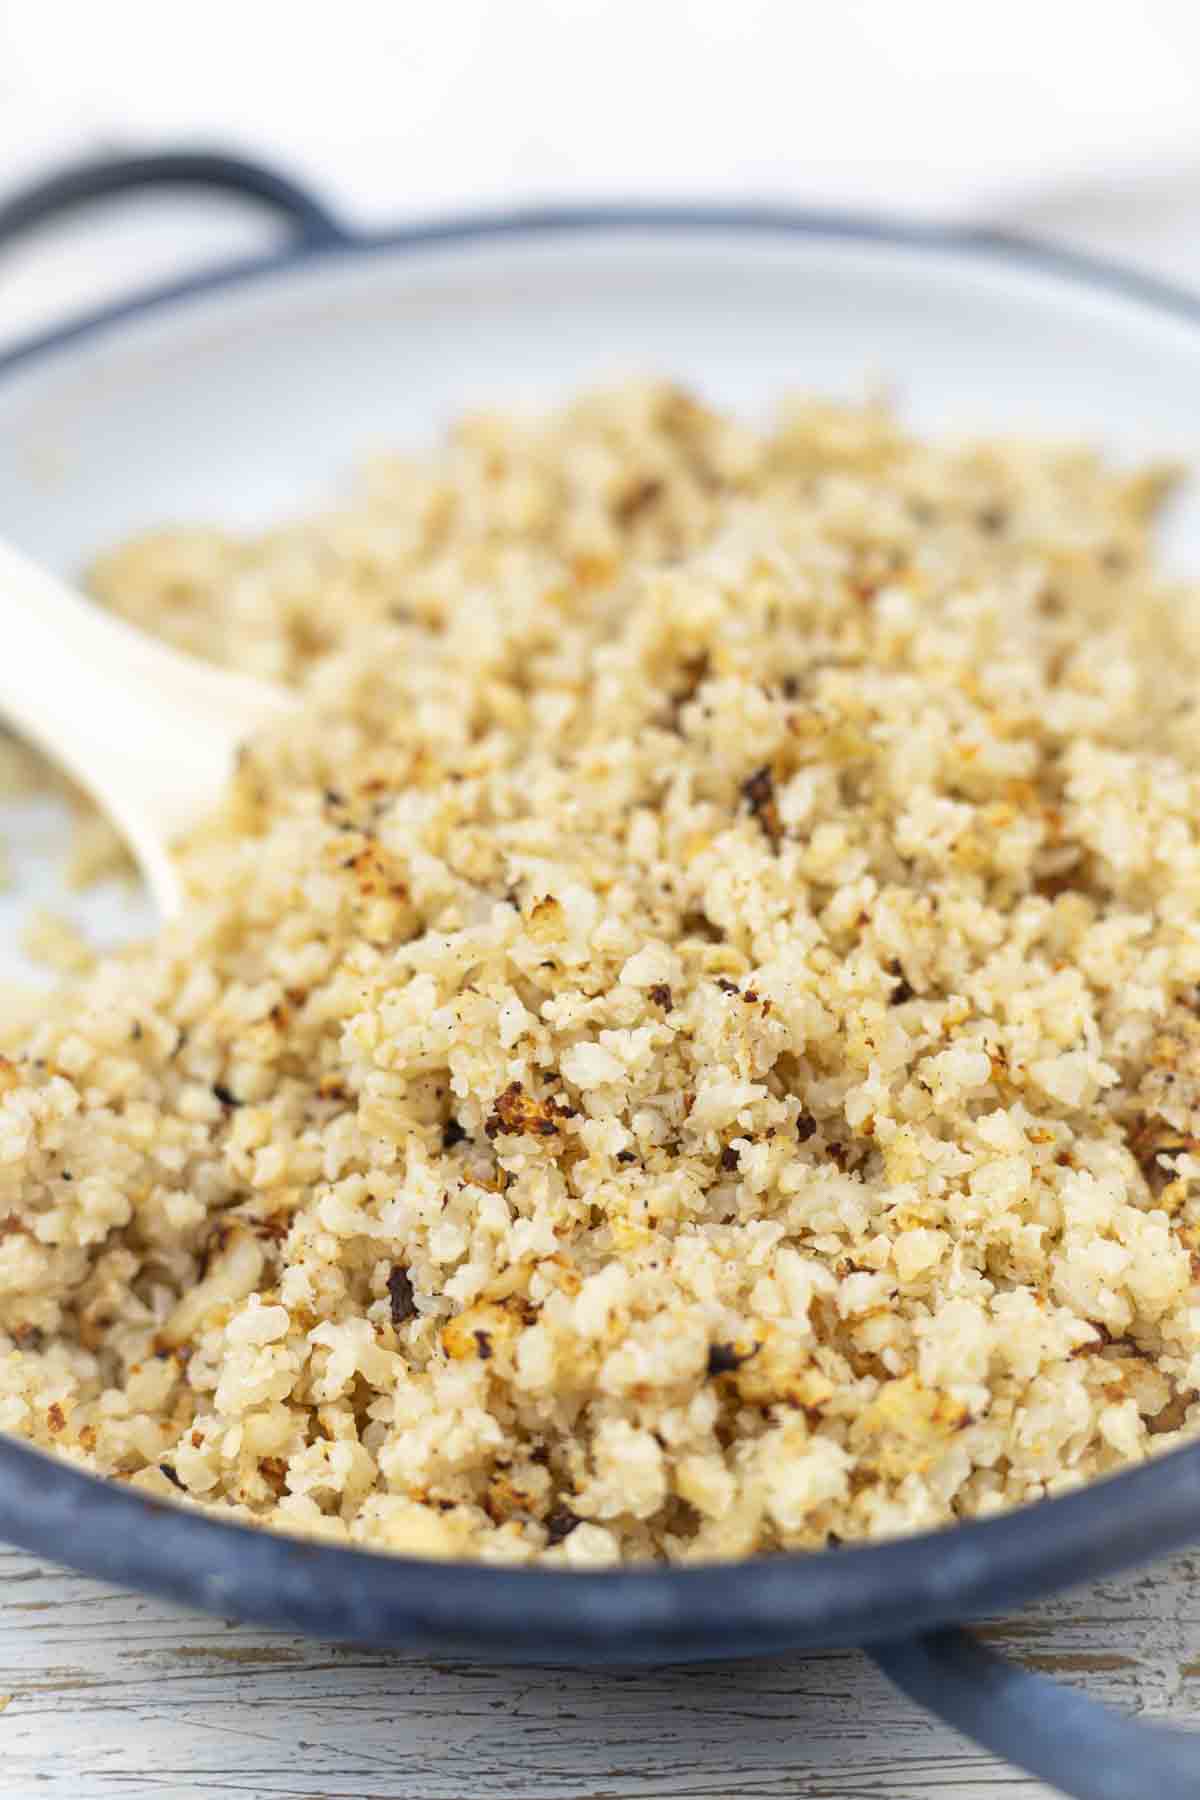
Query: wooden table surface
109, 1696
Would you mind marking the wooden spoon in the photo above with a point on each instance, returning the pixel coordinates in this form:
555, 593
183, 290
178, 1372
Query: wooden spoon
150, 732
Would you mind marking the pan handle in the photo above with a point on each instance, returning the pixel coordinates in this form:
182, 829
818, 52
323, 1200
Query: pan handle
1078, 1746
314, 226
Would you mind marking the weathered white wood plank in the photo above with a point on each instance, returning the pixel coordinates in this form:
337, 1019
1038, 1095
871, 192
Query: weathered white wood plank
115, 1697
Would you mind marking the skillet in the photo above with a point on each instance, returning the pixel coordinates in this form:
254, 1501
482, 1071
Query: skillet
244, 392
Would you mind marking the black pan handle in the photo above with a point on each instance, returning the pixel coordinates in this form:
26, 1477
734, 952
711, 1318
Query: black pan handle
314, 226
1075, 1744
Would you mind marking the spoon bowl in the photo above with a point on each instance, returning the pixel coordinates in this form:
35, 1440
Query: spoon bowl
151, 733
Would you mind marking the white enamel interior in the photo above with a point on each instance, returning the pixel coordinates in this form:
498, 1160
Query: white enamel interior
252, 400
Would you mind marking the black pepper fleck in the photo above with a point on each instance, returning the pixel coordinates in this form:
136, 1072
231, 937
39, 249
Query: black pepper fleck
758, 791
400, 1293
560, 1524
725, 1359
806, 1125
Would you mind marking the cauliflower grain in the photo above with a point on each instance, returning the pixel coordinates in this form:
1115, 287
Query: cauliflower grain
687, 1044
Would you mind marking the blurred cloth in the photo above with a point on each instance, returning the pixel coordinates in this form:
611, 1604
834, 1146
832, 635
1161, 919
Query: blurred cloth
1074, 119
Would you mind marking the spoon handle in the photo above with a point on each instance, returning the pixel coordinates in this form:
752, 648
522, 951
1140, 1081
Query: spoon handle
150, 732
